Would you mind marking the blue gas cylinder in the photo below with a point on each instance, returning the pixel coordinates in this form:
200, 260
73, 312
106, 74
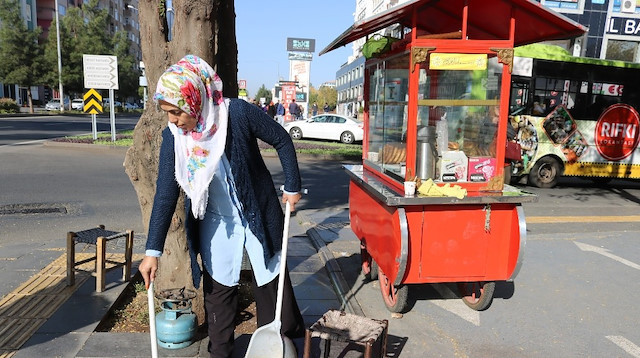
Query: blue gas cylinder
176, 325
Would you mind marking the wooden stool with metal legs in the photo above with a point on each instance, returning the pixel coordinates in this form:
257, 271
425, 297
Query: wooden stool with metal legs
346, 327
98, 237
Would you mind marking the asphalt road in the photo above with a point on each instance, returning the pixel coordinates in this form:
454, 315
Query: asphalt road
16, 130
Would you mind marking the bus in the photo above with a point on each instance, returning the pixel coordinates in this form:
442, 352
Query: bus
573, 116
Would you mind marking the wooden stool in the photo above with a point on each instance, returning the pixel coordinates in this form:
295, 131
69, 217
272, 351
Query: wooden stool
346, 327
98, 237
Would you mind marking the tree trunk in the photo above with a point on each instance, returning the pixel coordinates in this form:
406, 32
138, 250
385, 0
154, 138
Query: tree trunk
205, 28
30, 99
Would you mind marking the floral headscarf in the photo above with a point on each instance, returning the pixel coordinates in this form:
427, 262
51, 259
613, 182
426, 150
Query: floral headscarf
194, 87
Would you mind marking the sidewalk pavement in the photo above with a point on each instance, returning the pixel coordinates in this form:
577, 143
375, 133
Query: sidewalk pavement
316, 238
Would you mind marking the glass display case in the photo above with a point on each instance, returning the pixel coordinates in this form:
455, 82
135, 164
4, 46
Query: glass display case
456, 103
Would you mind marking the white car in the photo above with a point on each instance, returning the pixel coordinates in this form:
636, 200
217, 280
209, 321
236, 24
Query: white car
327, 126
77, 104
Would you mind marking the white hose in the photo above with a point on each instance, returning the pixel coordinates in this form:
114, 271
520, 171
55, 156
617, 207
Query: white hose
152, 321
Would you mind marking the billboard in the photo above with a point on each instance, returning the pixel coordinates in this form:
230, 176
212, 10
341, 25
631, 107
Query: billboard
301, 45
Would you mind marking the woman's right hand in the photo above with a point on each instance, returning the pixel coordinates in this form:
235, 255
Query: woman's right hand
148, 268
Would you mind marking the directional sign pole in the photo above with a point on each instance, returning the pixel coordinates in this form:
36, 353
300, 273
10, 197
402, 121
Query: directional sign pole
94, 126
112, 114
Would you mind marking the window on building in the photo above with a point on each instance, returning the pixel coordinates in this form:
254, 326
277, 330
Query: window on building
623, 50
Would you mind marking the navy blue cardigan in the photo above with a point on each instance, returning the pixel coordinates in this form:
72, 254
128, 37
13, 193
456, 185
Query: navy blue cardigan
254, 185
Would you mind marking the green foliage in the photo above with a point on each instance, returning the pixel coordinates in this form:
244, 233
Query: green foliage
79, 36
8, 105
328, 95
263, 92
19, 49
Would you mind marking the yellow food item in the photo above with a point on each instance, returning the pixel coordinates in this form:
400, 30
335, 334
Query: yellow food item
429, 188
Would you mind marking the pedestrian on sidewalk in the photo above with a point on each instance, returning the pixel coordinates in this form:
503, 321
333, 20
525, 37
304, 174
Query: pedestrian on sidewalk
294, 110
280, 112
209, 150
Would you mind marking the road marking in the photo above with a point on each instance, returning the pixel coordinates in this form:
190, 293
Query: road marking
580, 219
455, 306
606, 253
626, 345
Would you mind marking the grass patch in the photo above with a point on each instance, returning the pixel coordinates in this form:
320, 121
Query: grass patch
319, 147
313, 147
123, 139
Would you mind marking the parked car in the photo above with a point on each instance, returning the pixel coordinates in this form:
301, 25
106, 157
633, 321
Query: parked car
77, 104
327, 126
131, 106
54, 104
115, 103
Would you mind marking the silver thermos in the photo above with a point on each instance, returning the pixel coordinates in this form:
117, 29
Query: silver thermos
427, 154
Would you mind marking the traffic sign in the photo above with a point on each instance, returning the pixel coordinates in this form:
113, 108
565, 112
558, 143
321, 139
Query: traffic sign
92, 102
100, 71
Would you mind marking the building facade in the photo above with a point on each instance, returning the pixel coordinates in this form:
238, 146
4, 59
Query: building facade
350, 87
123, 17
613, 27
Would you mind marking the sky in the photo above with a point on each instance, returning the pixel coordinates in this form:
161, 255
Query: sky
262, 29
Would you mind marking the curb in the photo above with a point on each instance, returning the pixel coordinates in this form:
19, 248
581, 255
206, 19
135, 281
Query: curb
53, 143
335, 274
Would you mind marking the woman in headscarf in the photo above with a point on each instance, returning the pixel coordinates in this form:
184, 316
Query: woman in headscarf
210, 151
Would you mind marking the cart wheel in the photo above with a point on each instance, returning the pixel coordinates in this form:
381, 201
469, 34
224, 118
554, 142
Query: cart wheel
477, 295
395, 298
369, 266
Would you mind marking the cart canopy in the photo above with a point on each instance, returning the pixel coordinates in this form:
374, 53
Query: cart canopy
486, 20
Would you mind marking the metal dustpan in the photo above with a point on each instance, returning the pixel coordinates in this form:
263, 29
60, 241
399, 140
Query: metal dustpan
268, 341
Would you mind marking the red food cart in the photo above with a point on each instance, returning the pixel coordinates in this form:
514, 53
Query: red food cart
436, 112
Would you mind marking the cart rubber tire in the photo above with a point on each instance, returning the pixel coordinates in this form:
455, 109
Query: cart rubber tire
545, 172
347, 137
395, 298
477, 295
295, 133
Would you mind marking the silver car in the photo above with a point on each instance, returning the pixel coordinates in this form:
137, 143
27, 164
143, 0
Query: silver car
54, 104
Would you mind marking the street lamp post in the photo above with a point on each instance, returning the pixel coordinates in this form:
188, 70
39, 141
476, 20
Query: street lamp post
59, 57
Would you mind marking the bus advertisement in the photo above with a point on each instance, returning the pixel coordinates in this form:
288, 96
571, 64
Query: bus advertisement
574, 116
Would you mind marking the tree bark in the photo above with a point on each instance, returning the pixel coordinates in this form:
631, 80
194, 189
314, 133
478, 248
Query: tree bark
205, 28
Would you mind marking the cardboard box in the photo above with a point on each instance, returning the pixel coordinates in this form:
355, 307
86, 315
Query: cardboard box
454, 166
481, 169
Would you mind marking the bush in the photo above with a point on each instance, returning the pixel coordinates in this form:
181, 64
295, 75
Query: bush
8, 105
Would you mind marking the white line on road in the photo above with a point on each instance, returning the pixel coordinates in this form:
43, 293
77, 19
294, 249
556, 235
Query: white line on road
606, 253
625, 344
455, 306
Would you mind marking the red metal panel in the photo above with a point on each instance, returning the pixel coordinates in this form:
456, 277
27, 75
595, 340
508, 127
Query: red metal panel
457, 245
377, 226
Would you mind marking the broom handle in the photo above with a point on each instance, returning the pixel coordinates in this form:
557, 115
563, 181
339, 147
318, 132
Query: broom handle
283, 260
152, 322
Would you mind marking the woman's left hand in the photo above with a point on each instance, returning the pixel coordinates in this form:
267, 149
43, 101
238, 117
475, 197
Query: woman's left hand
292, 199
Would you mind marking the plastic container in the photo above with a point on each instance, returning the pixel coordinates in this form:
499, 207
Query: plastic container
442, 131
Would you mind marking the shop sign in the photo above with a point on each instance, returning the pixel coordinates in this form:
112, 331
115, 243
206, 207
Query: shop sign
301, 56
616, 134
457, 61
623, 26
